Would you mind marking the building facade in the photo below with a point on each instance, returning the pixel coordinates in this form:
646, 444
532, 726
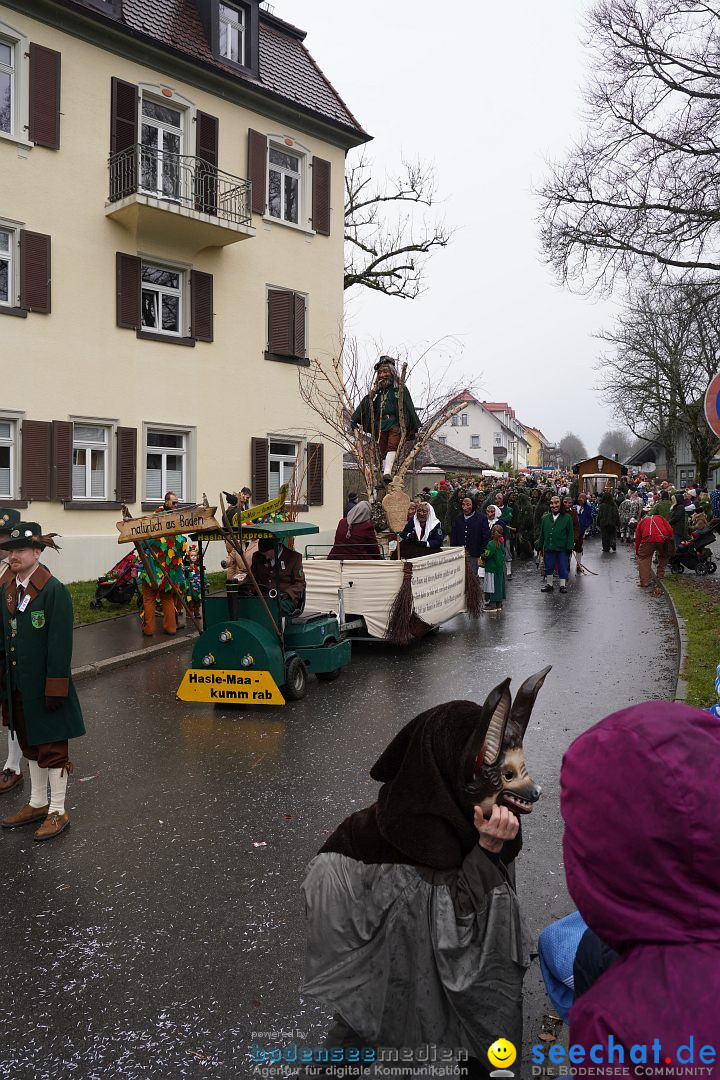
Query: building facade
476, 432
542, 454
514, 437
171, 253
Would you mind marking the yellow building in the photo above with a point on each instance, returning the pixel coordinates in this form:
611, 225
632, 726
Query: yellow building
171, 254
542, 453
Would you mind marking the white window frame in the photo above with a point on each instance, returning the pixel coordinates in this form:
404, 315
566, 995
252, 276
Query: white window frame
238, 24
11, 256
171, 99
20, 100
287, 145
165, 290
442, 439
108, 426
455, 421
464, 419
301, 457
475, 442
187, 454
13, 419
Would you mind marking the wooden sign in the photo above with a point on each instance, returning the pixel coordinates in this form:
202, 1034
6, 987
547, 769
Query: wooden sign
172, 523
253, 513
232, 687
395, 505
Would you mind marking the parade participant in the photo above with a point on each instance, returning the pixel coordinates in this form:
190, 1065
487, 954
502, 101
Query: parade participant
556, 541
379, 413
653, 536
37, 691
649, 888
568, 508
507, 517
715, 501
423, 535
241, 500
280, 569
493, 561
584, 513
165, 555
11, 776
352, 501
471, 531
192, 577
355, 537
236, 572
414, 933
608, 520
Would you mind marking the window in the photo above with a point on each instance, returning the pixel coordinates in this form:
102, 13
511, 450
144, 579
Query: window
284, 184
161, 299
463, 419
161, 136
89, 461
7, 86
455, 422
442, 438
287, 326
232, 33
475, 442
7, 241
166, 464
7, 458
283, 459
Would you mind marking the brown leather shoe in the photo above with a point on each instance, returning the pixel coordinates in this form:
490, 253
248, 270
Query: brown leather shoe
26, 816
10, 780
52, 826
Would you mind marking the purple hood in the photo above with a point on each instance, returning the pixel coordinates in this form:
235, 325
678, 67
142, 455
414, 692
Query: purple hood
641, 803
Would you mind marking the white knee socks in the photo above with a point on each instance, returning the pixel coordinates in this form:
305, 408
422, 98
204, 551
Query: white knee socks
14, 754
58, 787
39, 781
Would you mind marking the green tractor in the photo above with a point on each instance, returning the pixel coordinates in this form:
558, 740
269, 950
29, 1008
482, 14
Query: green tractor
262, 657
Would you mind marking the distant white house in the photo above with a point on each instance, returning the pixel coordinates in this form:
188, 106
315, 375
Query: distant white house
489, 432
516, 440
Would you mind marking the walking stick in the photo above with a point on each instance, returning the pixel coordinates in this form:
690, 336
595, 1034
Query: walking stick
232, 537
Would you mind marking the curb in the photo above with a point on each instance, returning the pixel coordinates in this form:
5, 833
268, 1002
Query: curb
112, 663
681, 686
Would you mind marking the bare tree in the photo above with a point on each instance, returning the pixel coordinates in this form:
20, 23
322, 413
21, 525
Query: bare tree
572, 449
332, 391
664, 350
640, 187
387, 240
616, 443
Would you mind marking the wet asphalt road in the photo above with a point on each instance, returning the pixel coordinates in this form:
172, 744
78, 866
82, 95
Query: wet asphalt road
164, 929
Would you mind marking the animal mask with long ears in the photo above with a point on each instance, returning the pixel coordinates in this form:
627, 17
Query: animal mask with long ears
494, 769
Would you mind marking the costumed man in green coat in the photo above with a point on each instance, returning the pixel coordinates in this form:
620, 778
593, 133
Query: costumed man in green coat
379, 413
39, 702
556, 541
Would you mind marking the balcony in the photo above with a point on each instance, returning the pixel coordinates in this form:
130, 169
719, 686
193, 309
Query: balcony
173, 198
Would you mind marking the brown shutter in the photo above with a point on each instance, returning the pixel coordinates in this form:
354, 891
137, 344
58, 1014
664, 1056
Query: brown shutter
206, 151
35, 271
315, 474
321, 196
201, 298
260, 456
36, 442
281, 322
126, 461
299, 348
62, 448
123, 116
44, 126
257, 169
127, 275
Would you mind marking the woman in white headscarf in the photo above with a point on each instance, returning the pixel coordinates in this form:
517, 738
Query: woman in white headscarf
423, 534
355, 537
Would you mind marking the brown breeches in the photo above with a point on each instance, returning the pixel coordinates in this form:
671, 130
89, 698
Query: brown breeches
52, 755
645, 553
389, 440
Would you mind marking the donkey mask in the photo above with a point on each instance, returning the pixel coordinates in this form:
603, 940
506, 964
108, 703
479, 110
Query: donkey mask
494, 769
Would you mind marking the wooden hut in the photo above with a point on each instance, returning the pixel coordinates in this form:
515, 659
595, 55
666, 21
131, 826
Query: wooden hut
596, 473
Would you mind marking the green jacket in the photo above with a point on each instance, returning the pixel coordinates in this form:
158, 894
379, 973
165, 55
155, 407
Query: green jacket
493, 557
35, 657
379, 412
556, 535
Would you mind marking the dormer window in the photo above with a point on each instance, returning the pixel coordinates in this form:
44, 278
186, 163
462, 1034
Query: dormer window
232, 34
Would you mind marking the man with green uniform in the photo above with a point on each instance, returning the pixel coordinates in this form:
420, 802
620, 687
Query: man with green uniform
379, 413
556, 541
39, 702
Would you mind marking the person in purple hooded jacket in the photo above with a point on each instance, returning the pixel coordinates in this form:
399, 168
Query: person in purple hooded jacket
640, 802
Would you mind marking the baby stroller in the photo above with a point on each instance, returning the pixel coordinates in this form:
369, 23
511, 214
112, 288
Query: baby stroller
695, 554
119, 585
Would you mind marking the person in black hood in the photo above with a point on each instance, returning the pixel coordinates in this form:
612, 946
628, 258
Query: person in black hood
414, 933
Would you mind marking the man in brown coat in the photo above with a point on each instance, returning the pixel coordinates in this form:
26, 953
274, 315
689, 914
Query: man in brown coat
280, 569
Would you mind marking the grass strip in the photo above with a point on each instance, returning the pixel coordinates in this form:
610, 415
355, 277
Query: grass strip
699, 606
83, 592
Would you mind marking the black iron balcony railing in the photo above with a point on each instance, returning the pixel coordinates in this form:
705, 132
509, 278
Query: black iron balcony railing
178, 178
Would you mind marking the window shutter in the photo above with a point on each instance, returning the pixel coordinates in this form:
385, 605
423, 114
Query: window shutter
201, 297
299, 347
257, 169
35, 271
315, 474
260, 456
128, 291
36, 442
321, 196
206, 151
281, 321
62, 447
126, 460
123, 116
44, 126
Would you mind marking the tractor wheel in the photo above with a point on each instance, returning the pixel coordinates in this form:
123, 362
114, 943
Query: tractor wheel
295, 679
329, 676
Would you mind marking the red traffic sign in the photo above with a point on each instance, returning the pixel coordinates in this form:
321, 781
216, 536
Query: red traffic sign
712, 404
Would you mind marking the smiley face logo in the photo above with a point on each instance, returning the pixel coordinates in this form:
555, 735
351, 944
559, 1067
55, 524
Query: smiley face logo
502, 1053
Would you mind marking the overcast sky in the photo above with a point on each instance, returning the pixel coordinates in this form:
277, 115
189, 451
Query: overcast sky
487, 93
